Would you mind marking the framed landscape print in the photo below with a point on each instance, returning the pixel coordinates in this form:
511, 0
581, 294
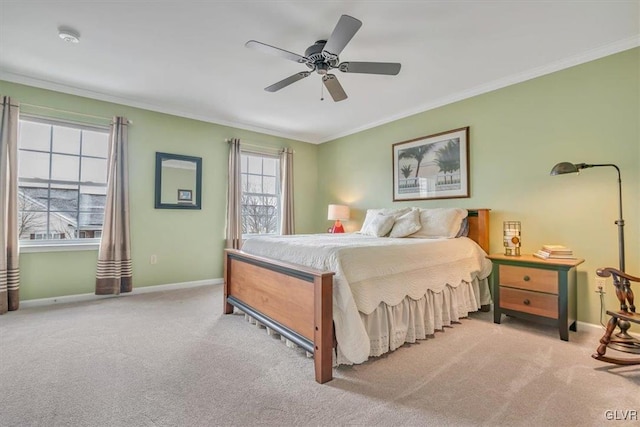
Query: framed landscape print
432, 167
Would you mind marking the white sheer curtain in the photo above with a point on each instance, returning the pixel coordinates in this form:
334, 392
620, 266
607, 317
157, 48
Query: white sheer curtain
9, 267
234, 197
114, 273
287, 222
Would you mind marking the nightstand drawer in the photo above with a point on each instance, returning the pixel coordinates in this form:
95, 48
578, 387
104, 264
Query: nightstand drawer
533, 279
545, 305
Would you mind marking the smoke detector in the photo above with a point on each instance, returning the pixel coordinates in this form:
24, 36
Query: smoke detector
69, 35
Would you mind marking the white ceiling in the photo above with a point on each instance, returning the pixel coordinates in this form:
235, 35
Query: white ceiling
188, 57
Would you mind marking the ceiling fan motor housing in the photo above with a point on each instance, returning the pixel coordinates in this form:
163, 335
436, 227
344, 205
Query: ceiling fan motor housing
317, 61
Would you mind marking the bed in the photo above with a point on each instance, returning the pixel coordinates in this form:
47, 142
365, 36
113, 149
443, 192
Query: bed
359, 295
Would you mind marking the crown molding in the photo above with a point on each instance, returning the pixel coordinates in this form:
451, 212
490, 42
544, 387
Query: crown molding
593, 54
99, 96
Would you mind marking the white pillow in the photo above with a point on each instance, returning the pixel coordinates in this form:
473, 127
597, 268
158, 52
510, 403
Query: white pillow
464, 228
380, 225
406, 224
440, 223
372, 213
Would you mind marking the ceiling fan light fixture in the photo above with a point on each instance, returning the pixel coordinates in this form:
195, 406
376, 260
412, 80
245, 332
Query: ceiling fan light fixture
69, 35
322, 68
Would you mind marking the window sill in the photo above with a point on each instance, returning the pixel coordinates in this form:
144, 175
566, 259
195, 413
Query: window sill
251, 236
30, 247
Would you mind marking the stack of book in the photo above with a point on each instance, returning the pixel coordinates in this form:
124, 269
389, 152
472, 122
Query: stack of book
554, 252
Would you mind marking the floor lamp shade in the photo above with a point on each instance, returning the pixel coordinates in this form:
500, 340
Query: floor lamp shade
337, 213
564, 167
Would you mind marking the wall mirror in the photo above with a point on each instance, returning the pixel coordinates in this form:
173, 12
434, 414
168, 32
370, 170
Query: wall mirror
178, 181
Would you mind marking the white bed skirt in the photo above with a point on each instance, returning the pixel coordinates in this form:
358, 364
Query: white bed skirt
389, 327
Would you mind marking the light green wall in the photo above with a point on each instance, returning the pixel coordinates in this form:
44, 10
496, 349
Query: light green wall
589, 113
188, 243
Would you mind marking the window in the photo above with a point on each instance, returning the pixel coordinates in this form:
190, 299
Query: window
260, 194
62, 180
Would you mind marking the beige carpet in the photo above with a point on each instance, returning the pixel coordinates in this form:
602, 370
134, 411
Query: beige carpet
171, 359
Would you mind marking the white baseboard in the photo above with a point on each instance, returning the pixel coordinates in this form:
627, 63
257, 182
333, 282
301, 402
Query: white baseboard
174, 286
142, 290
592, 326
581, 325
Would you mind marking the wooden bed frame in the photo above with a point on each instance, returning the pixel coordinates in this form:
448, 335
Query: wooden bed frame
297, 301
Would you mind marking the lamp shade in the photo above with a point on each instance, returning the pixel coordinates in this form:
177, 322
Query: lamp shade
564, 167
338, 212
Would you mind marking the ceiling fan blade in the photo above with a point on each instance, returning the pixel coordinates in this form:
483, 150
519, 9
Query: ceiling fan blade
276, 51
286, 82
389, 68
344, 31
334, 87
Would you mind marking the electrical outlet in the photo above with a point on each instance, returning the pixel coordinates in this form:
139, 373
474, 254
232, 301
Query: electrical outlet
600, 284
153, 260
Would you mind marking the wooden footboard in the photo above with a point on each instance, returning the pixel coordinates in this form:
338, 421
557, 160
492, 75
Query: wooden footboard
293, 300
297, 301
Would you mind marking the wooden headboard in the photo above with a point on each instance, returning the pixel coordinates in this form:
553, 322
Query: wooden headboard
479, 227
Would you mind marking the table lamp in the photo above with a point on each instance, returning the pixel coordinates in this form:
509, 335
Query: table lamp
337, 213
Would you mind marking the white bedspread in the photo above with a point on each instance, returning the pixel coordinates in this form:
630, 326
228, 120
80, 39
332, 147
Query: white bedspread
370, 270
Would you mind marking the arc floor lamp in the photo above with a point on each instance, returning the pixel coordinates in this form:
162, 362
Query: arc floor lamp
625, 340
566, 167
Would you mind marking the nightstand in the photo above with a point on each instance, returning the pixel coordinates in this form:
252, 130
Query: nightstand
534, 289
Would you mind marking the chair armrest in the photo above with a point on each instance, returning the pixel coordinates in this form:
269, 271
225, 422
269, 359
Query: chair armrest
609, 271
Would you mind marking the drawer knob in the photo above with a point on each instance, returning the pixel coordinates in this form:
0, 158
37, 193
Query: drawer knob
527, 278
526, 302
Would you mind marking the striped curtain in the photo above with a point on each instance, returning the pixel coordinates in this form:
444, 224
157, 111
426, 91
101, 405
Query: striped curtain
114, 274
9, 268
234, 197
287, 225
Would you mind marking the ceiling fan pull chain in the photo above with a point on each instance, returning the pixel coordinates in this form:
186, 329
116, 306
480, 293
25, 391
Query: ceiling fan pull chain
321, 90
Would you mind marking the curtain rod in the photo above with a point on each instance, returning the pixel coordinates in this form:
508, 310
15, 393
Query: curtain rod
261, 147
70, 112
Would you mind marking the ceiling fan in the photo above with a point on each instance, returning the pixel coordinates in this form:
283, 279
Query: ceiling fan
322, 57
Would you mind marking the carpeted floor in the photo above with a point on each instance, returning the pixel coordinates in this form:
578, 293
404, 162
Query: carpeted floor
172, 359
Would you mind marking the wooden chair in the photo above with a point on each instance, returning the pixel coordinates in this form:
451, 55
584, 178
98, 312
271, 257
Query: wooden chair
622, 319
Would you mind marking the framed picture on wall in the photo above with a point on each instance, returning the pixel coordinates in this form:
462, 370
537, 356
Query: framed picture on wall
432, 167
185, 196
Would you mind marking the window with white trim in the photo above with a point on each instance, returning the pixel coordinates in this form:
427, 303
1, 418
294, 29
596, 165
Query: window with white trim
62, 179
260, 194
